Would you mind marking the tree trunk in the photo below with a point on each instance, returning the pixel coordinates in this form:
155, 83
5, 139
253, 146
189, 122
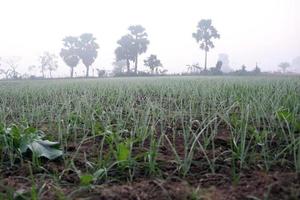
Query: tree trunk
136, 64
87, 71
205, 64
72, 72
136, 56
128, 66
7, 75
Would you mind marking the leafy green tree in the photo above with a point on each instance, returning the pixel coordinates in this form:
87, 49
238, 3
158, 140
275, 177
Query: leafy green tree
204, 35
125, 50
48, 62
87, 50
70, 53
153, 63
140, 42
284, 66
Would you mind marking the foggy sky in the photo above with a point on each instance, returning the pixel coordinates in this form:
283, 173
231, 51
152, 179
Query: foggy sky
262, 31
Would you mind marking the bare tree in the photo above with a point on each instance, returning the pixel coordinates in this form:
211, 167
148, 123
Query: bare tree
11, 64
48, 62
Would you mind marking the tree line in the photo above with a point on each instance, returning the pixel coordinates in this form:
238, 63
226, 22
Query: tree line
85, 48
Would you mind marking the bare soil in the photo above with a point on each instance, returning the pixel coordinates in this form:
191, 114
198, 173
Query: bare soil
200, 183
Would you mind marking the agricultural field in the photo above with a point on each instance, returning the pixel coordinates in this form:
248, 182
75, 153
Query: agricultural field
151, 138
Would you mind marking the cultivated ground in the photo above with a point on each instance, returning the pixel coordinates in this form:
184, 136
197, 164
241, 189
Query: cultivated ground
151, 138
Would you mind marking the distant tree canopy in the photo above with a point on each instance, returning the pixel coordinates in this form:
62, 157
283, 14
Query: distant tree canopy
204, 35
140, 42
241, 71
219, 65
284, 66
100, 72
84, 48
132, 45
194, 68
215, 70
119, 67
125, 50
153, 63
69, 53
87, 50
225, 62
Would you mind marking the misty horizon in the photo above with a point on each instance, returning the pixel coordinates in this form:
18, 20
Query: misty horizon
251, 32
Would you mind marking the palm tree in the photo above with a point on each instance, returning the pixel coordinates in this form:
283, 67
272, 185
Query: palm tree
194, 68
70, 53
87, 50
140, 42
125, 50
204, 34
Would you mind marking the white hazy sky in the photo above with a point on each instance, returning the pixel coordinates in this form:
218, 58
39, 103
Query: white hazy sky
263, 31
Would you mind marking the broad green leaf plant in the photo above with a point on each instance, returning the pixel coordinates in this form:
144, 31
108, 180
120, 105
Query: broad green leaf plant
17, 140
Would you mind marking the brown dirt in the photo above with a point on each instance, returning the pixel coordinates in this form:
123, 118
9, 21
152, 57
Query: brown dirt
200, 183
